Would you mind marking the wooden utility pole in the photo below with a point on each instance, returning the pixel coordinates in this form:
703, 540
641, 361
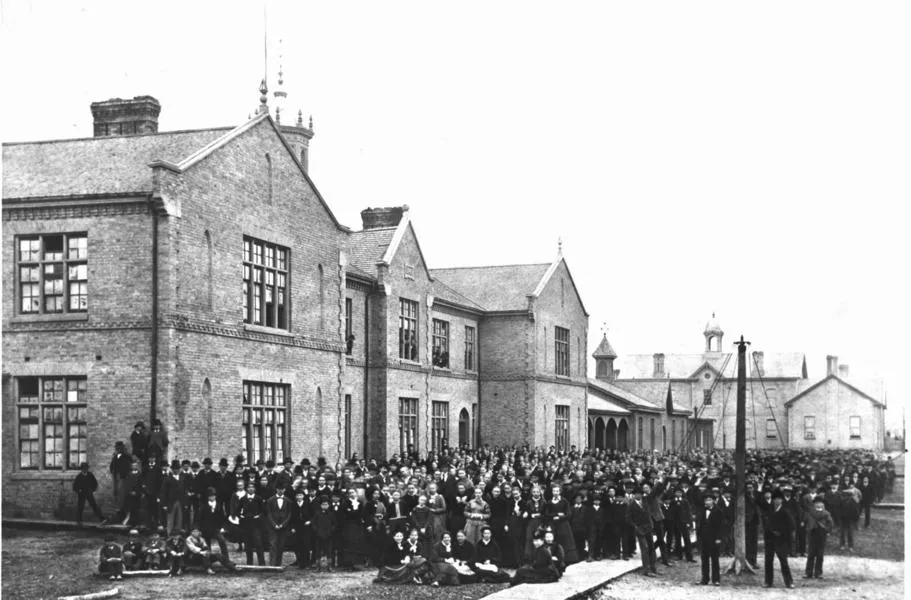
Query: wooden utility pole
739, 564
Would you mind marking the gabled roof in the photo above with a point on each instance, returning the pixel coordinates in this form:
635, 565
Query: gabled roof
655, 391
95, 166
784, 365
496, 288
366, 248
626, 397
550, 272
841, 382
603, 406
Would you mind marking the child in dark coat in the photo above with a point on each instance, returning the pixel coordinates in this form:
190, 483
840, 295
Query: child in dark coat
324, 524
819, 524
133, 554
111, 559
155, 550
177, 549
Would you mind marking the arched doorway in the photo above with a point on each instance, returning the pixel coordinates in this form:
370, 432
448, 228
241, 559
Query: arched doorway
591, 432
464, 428
599, 433
623, 435
611, 434
664, 438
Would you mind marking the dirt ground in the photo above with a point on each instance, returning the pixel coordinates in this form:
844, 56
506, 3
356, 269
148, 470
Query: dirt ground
875, 571
39, 564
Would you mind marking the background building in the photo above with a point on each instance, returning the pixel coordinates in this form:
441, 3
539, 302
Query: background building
782, 403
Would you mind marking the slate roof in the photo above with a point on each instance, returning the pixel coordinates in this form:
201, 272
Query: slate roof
366, 248
787, 365
496, 288
444, 292
610, 389
89, 166
604, 349
654, 391
601, 405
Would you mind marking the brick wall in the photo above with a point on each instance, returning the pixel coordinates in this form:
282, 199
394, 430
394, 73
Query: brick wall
832, 404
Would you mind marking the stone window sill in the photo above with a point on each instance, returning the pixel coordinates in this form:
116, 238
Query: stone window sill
42, 475
83, 316
269, 330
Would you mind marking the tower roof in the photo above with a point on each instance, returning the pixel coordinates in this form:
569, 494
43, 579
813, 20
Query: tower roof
604, 349
713, 326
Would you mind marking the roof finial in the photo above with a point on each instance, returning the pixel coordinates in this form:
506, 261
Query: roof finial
311, 123
300, 118
263, 97
560, 246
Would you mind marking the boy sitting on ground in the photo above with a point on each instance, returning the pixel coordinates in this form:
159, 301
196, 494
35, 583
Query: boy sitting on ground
176, 548
155, 550
199, 553
111, 559
133, 554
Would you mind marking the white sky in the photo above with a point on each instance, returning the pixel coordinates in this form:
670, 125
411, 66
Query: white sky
746, 158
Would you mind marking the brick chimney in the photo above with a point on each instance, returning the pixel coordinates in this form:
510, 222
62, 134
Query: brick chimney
843, 371
126, 117
659, 365
375, 218
831, 365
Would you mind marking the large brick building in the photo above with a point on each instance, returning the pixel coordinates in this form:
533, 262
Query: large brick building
200, 278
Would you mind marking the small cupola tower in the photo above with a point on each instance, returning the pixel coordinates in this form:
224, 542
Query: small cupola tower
604, 356
713, 332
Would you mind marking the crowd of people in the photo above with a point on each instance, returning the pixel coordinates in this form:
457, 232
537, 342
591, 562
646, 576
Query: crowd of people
462, 515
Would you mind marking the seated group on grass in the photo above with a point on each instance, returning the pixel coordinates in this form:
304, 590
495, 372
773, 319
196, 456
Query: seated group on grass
173, 555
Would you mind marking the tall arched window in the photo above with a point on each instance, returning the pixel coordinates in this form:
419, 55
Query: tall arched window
208, 270
322, 297
268, 178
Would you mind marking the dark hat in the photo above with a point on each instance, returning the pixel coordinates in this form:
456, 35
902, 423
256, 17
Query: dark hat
194, 465
306, 462
210, 491
239, 459
185, 462
300, 492
270, 464
324, 499
260, 462
118, 444
207, 461
287, 460
139, 424
84, 465
223, 462
777, 494
175, 464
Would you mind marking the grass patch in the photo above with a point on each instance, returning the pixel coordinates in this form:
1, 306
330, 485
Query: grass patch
46, 564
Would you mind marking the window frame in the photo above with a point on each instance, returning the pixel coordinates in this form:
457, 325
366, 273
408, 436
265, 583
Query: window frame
39, 420
40, 264
408, 422
440, 345
280, 441
470, 345
851, 427
561, 351
561, 434
349, 326
439, 425
809, 427
409, 334
771, 429
268, 253
707, 397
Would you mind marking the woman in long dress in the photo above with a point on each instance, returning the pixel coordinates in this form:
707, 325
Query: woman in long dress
556, 514
421, 521
402, 561
443, 563
477, 513
457, 510
437, 505
487, 559
533, 515
541, 568
354, 543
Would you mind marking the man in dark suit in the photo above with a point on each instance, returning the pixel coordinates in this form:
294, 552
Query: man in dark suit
171, 498
777, 535
121, 465
752, 520
615, 538
250, 517
709, 526
212, 520
640, 519
301, 514
278, 518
